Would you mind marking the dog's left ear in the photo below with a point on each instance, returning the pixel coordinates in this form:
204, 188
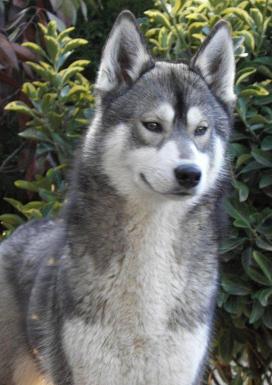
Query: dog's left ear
125, 56
215, 61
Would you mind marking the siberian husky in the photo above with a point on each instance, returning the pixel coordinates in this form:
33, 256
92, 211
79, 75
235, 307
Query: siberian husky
121, 288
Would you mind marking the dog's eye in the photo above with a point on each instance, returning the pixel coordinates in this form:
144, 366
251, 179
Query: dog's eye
153, 126
200, 130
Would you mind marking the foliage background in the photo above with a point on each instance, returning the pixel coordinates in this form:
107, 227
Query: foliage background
174, 28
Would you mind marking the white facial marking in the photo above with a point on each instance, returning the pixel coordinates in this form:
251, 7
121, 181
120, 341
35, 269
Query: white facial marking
137, 171
210, 168
157, 166
218, 162
194, 118
202, 161
164, 113
114, 160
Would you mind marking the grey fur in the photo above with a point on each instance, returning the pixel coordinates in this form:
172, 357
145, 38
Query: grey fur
57, 273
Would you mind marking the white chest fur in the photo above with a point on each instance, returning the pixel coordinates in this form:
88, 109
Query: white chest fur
133, 344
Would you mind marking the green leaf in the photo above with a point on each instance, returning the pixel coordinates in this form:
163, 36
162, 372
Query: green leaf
226, 342
254, 90
222, 298
241, 220
52, 28
16, 204
231, 244
251, 166
256, 312
265, 71
267, 143
244, 74
46, 195
265, 181
242, 159
249, 39
234, 306
69, 72
263, 296
75, 90
19, 107
263, 244
265, 264
242, 14
35, 48
34, 205
80, 63
33, 214
45, 74
43, 28
267, 318
65, 33
176, 8
257, 17
233, 284
159, 18
52, 47
262, 157
257, 276
31, 133
73, 44
29, 90
238, 149
26, 185
242, 189
11, 219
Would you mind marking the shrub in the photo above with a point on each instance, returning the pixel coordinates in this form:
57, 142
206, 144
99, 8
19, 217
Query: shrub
243, 347
59, 106
19, 23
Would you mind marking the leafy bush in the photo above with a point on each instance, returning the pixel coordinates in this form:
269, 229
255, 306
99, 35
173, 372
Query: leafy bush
59, 105
175, 28
19, 23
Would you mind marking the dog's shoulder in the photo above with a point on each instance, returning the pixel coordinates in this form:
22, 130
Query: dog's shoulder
27, 249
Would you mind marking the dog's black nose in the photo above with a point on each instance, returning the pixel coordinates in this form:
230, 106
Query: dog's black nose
188, 175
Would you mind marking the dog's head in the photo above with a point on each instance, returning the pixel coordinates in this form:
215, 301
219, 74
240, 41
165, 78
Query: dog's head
163, 127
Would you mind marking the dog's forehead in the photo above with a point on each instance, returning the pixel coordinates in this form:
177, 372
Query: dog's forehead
177, 83
174, 84
177, 75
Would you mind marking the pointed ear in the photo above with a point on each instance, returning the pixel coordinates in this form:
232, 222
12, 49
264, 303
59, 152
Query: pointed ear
215, 61
125, 56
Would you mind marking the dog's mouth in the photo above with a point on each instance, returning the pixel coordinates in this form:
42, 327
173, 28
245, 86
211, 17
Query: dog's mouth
172, 192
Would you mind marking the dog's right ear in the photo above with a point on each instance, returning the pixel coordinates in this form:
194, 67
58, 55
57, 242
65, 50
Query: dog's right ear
125, 56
